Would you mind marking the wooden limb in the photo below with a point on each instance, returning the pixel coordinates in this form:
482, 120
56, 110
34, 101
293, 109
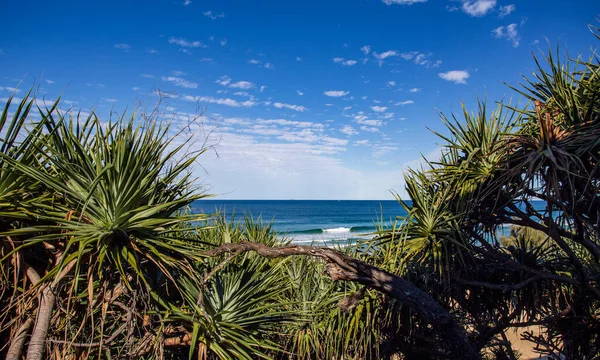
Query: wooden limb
342, 267
18, 341
348, 303
37, 344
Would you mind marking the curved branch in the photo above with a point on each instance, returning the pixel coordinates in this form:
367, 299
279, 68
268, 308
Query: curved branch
342, 267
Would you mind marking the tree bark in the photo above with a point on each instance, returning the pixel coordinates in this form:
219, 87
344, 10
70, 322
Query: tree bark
16, 346
342, 267
37, 344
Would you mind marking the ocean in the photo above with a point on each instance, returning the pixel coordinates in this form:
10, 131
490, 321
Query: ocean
320, 222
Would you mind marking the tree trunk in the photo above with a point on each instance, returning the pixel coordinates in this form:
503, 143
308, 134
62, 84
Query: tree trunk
16, 346
342, 267
37, 344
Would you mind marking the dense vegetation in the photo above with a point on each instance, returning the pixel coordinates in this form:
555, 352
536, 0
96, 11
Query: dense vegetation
101, 257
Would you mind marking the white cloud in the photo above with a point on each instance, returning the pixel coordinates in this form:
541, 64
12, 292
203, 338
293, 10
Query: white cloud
366, 49
415, 90
299, 92
506, 10
205, 59
509, 33
369, 129
49, 81
177, 81
363, 120
344, 61
152, 51
223, 42
422, 59
10, 88
109, 100
186, 43
403, 2
298, 58
289, 106
254, 62
262, 88
336, 93
407, 102
379, 108
135, 88
456, 76
125, 47
269, 66
147, 76
478, 8
242, 85
213, 15
385, 55
187, 2
391, 83
224, 80
361, 143
219, 101
348, 130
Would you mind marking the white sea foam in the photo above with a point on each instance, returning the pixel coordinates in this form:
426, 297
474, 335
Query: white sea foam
337, 230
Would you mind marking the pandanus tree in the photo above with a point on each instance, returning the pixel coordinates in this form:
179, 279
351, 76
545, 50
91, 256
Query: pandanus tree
100, 253
535, 168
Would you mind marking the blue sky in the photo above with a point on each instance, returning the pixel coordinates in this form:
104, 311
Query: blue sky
301, 99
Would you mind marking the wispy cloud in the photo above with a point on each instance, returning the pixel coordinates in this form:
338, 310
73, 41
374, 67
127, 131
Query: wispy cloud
391, 83
344, 62
415, 90
386, 54
366, 49
266, 65
124, 47
455, 76
336, 93
298, 58
300, 93
506, 10
49, 81
379, 108
10, 88
186, 43
364, 120
147, 76
219, 101
187, 2
406, 102
290, 106
152, 51
402, 2
213, 15
226, 81
509, 33
177, 81
242, 85
477, 8
348, 130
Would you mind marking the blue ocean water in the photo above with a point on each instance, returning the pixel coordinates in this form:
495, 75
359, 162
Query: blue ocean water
323, 222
